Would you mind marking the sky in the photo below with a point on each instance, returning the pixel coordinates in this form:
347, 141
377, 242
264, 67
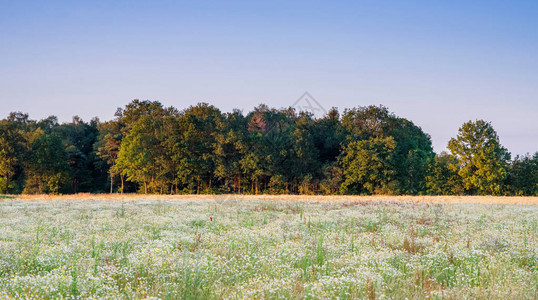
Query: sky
437, 63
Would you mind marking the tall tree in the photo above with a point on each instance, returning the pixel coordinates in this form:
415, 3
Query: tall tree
304, 158
367, 166
168, 135
47, 166
138, 153
127, 118
11, 150
481, 160
78, 139
523, 175
230, 141
442, 178
107, 148
413, 151
329, 136
329, 139
413, 155
194, 150
270, 151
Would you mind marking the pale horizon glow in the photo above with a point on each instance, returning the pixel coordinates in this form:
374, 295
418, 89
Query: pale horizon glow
437, 64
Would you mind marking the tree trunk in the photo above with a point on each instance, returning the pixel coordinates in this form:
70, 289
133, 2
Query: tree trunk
145, 187
121, 176
111, 183
7, 183
256, 186
40, 185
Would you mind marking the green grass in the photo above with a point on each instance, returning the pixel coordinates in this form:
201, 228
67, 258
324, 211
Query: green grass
256, 249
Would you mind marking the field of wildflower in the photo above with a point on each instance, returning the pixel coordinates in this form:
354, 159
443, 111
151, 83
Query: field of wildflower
255, 248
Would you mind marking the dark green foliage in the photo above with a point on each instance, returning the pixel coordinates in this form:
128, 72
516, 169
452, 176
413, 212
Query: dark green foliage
523, 175
78, 139
11, 149
442, 177
229, 149
412, 152
47, 165
154, 149
194, 148
329, 136
106, 148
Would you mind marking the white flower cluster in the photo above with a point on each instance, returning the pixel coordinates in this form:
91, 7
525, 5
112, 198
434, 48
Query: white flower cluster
254, 249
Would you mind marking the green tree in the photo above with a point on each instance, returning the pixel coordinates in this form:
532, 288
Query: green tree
481, 160
332, 179
11, 150
107, 147
304, 154
442, 178
194, 153
128, 116
413, 151
79, 138
329, 136
47, 166
413, 155
229, 145
367, 166
364, 122
168, 135
271, 150
523, 175
138, 152
146, 146
28, 130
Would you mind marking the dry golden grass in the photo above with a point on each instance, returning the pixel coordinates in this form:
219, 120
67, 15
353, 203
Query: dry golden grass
376, 198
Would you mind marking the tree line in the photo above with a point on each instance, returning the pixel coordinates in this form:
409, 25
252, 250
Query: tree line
149, 148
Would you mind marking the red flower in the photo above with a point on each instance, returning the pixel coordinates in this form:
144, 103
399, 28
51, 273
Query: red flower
211, 218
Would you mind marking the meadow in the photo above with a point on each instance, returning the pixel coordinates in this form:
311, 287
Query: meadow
276, 247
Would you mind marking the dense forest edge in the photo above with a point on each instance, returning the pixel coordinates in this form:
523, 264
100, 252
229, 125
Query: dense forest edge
149, 148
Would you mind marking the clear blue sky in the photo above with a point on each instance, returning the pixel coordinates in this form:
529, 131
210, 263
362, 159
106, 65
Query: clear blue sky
438, 63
